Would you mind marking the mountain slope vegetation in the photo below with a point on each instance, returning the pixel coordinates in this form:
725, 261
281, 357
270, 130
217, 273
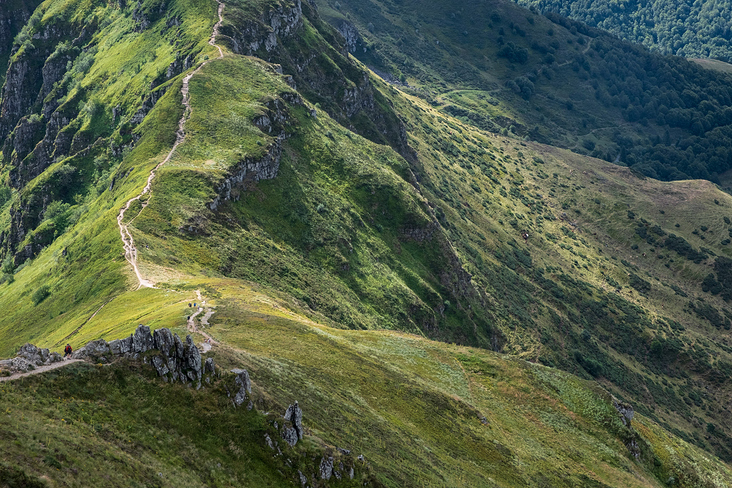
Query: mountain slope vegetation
315, 204
549, 79
683, 28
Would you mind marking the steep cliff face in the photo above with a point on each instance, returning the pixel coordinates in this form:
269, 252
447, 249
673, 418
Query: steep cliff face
14, 14
316, 56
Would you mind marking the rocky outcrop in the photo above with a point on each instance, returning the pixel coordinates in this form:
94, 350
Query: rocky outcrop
173, 361
247, 172
262, 35
30, 357
351, 36
13, 16
625, 410
292, 431
274, 121
244, 384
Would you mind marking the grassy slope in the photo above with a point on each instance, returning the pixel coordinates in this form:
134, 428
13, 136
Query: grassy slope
576, 213
118, 425
481, 215
452, 56
412, 407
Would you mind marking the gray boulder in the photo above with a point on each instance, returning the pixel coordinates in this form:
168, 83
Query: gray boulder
93, 349
142, 340
209, 367
160, 365
179, 349
294, 415
55, 357
193, 357
289, 434
326, 468
244, 383
33, 354
121, 346
164, 342
21, 365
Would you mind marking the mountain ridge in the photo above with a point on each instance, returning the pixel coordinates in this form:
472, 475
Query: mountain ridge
278, 209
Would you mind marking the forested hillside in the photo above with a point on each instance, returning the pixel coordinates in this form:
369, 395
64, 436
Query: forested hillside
550, 79
681, 27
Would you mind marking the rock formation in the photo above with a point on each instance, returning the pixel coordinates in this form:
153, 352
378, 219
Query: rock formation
29, 358
173, 361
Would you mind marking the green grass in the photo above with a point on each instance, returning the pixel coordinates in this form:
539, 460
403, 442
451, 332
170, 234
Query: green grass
332, 240
413, 407
119, 425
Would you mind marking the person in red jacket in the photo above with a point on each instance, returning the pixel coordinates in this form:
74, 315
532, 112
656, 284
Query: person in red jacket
67, 350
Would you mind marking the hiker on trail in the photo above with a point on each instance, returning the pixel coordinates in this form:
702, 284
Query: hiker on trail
67, 350
189, 305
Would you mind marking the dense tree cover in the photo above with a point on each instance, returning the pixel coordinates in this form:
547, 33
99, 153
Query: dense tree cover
694, 106
680, 27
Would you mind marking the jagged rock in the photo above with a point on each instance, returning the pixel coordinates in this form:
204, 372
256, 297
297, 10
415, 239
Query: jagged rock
289, 435
54, 357
192, 359
265, 32
142, 340
21, 365
303, 479
625, 410
244, 383
160, 366
294, 415
268, 440
351, 36
179, 349
119, 347
326, 468
93, 349
163, 341
33, 354
208, 366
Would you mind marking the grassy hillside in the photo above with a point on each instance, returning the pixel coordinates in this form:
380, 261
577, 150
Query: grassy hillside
118, 425
507, 69
421, 412
313, 241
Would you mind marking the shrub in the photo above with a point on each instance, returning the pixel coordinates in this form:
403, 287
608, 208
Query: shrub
41, 294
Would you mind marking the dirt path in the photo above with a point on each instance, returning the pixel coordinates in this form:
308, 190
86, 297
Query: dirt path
192, 328
127, 241
40, 369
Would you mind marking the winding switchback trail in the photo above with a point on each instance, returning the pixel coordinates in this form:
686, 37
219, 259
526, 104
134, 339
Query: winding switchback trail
127, 241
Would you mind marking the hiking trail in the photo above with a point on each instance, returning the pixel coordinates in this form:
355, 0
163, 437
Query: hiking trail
40, 369
127, 241
206, 344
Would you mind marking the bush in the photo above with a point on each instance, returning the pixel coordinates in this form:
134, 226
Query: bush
41, 294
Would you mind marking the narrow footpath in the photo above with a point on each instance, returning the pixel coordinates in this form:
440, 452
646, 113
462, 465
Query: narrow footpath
40, 369
127, 240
